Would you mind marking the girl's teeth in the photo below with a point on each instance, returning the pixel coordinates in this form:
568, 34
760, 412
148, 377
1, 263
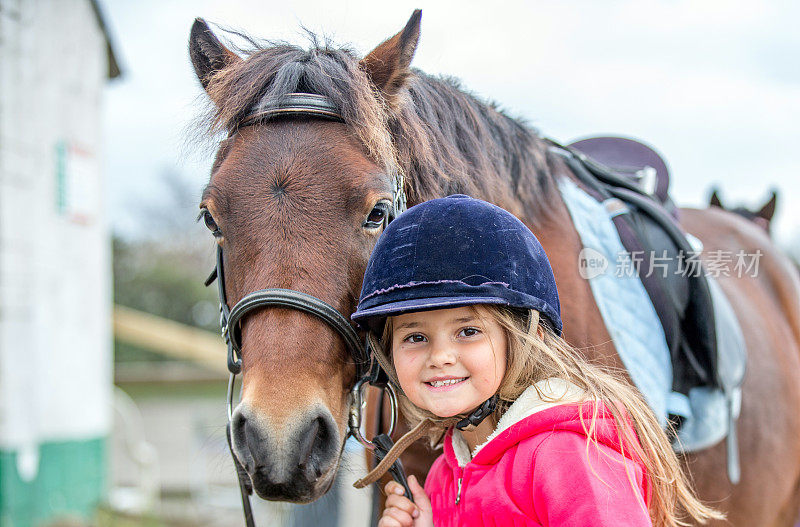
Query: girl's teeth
448, 382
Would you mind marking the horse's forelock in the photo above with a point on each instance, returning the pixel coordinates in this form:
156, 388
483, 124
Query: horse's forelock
280, 69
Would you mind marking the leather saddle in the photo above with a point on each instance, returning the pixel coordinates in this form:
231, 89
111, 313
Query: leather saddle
632, 180
635, 161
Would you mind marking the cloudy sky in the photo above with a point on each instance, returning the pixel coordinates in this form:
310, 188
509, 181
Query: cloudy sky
714, 85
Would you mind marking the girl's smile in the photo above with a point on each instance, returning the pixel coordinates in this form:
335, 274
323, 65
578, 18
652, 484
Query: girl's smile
448, 361
445, 383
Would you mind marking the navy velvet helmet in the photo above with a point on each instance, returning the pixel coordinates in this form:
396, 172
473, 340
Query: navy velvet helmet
453, 252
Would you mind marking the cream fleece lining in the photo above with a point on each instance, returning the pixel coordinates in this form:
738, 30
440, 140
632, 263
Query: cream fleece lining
555, 392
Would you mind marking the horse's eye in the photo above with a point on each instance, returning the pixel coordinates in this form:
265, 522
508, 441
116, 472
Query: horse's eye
210, 223
377, 216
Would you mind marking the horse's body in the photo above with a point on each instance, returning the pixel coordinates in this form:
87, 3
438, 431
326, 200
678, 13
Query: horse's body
767, 308
289, 198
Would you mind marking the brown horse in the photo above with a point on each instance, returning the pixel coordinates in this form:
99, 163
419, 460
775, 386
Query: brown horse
291, 201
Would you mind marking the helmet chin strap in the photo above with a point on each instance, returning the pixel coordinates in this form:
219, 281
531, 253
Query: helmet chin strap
480, 413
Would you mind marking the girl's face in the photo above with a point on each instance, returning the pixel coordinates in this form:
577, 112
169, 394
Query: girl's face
449, 361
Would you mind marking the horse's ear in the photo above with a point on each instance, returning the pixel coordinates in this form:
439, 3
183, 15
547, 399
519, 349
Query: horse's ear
207, 52
768, 210
388, 64
714, 200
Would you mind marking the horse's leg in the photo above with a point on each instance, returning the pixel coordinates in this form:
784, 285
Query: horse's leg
769, 426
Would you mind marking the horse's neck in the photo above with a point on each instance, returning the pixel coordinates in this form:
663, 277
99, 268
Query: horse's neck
583, 324
448, 141
524, 182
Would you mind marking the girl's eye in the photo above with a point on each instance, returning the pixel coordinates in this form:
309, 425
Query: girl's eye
416, 337
469, 332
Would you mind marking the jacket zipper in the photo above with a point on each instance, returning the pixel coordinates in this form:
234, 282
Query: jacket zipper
458, 492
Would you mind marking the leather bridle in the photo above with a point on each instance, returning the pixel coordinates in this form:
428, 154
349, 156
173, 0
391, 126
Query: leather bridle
320, 107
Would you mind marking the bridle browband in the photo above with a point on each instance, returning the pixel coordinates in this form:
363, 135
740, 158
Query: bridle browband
293, 104
319, 107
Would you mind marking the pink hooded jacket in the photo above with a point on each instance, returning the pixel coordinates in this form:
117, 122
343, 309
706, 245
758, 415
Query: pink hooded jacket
539, 469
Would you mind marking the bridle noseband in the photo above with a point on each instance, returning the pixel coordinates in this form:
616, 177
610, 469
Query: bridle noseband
229, 318
320, 107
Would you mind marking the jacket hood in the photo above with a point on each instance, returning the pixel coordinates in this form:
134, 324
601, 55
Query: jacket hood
547, 406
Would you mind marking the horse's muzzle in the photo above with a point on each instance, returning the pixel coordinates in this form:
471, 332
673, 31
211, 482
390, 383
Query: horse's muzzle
294, 464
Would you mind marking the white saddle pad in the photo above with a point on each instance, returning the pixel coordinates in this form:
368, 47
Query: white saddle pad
634, 326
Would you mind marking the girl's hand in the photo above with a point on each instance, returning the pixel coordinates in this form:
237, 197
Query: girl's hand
401, 511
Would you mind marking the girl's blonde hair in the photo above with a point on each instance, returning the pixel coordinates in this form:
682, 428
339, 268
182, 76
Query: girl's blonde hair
534, 355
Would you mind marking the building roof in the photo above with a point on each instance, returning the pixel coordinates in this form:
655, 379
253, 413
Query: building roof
114, 69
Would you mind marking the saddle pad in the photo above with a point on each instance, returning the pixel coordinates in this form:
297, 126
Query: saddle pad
632, 322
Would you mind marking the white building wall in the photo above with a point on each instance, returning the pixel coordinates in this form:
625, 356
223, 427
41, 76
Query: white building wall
55, 283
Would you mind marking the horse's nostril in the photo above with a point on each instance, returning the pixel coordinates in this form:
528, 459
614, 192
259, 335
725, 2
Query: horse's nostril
240, 437
238, 421
307, 443
314, 443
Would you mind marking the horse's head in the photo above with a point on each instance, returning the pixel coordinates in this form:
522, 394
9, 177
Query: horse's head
298, 203
761, 217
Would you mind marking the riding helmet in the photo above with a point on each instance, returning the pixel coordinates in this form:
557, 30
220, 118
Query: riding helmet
456, 251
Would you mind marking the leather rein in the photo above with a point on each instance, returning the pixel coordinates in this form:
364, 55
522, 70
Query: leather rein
319, 107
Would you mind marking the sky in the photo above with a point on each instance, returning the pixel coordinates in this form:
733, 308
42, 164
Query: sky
713, 85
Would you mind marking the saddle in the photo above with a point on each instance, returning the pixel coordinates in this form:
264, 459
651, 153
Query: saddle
635, 161
706, 349
632, 181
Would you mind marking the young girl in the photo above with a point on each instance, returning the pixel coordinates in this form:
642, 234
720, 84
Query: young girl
463, 315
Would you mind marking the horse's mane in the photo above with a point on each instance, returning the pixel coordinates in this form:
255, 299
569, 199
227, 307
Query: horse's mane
443, 139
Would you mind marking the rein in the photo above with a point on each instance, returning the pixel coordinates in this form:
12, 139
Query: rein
321, 107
